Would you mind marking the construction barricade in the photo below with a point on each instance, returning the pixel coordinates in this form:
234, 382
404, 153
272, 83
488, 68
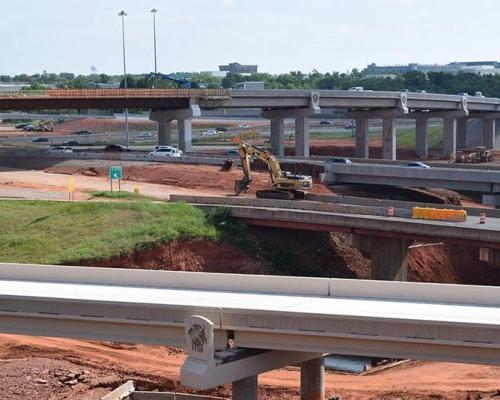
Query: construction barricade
439, 214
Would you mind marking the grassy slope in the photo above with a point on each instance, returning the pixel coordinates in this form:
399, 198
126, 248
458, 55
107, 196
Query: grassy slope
57, 233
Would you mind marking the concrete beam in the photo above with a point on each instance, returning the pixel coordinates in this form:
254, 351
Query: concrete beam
312, 380
302, 137
246, 389
378, 114
388, 139
489, 133
439, 114
462, 133
362, 139
449, 136
278, 137
421, 140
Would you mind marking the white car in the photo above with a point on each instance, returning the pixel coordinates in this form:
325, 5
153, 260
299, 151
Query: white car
166, 151
244, 126
60, 150
356, 89
209, 132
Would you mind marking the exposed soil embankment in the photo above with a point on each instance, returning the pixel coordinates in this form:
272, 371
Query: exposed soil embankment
302, 253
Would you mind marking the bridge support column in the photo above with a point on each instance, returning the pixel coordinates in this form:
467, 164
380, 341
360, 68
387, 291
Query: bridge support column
388, 139
489, 133
312, 380
449, 136
302, 137
278, 136
185, 134
492, 200
388, 256
183, 117
421, 141
165, 133
462, 133
246, 389
362, 141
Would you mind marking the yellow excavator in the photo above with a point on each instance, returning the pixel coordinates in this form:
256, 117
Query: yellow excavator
285, 185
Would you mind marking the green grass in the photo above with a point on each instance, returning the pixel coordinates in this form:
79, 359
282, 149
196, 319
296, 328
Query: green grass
64, 233
120, 195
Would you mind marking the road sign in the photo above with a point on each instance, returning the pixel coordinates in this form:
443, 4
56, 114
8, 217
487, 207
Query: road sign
115, 172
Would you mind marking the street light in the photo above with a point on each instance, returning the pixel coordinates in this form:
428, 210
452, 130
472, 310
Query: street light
154, 11
123, 14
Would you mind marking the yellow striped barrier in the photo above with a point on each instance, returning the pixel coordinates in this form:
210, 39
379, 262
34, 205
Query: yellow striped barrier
438, 214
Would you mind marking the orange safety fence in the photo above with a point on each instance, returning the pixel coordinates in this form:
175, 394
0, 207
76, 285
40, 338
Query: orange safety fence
438, 214
116, 93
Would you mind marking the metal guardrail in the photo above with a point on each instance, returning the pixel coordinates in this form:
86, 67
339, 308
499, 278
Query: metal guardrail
127, 392
116, 93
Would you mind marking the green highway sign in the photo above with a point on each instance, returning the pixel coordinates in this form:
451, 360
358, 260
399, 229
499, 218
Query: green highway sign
115, 172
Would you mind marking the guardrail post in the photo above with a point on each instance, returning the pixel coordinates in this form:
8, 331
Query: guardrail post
312, 380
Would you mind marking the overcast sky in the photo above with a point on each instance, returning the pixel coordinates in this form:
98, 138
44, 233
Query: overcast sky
278, 35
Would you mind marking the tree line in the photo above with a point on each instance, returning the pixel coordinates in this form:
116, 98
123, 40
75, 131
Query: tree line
433, 82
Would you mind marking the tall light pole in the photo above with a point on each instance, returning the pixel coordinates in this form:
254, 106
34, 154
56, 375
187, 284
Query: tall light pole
123, 14
154, 11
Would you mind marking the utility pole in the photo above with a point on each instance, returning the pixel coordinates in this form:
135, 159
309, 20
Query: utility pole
123, 14
154, 11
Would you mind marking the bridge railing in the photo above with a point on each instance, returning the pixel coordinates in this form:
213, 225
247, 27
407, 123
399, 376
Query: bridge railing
116, 93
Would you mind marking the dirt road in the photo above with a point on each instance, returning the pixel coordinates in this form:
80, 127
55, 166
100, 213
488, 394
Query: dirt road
107, 364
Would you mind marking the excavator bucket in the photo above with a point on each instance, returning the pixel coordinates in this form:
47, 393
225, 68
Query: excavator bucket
241, 185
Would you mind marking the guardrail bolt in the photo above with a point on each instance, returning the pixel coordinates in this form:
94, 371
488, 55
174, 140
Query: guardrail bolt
390, 211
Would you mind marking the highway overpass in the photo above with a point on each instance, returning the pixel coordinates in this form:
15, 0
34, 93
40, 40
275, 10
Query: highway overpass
273, 321
385, 239
470, 180
182, 105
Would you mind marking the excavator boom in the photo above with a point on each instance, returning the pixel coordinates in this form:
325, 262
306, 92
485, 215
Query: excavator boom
285, 185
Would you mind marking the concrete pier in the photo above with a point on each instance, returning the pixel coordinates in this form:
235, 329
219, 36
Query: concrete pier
449, 136
185, 134
183, 116
388, 256
489, 133
246, 389
462, 133
421, 140
388, 139
312, 380
165, 133
302, 137
278, 136
362, 140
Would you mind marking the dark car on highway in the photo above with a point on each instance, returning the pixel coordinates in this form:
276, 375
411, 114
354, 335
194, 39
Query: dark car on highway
324, 122
40, 140
71, 142
339, 160
115, 148
83, 132
221, 129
